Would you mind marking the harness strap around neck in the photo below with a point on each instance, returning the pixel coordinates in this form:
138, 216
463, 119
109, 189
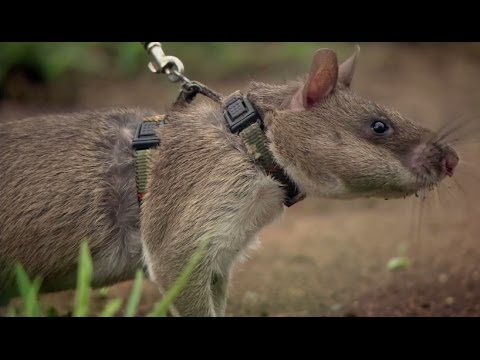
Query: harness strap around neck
243, 118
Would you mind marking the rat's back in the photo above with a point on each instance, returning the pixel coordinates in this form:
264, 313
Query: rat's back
65, 178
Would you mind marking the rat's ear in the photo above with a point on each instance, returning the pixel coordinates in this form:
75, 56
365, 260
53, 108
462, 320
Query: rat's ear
346, 70
321, 80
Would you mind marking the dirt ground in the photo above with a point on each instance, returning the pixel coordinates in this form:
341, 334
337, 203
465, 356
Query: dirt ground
329, 258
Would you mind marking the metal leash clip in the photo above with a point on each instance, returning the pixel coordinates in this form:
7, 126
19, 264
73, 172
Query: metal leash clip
173, 67
161, 63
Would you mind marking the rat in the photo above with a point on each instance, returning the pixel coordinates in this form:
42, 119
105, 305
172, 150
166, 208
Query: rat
65, 178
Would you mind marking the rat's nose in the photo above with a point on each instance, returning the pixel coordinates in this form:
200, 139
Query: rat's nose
449, 161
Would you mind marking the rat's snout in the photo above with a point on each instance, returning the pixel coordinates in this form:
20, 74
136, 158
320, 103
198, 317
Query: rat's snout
449, 161
432, 162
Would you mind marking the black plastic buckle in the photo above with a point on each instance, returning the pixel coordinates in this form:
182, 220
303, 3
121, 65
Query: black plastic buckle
240, 114
145, 136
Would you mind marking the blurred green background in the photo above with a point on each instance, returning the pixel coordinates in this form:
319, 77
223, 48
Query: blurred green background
50, 61
72, 74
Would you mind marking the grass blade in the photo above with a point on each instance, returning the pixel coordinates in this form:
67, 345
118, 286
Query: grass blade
161, 308
398, 263
23, 282
135, 295
112, 308
28, 291
32, 307
84, 278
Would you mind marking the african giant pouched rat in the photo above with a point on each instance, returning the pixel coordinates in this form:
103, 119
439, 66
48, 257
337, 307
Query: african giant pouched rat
65, 178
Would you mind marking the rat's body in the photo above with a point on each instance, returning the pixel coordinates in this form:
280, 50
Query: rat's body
67, 178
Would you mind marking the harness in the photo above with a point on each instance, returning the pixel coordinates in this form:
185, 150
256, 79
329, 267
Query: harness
144, 141
241, 117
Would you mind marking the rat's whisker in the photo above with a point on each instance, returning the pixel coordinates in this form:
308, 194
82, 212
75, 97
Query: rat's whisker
459, 121
467, 210
443, 137
418, 235
446, 126
453, 127
467, 163
462, 189
469, 171
449, 189
437, 201
413, 219
459, 141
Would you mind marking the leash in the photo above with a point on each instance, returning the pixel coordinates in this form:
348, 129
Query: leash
174, 69
241, 118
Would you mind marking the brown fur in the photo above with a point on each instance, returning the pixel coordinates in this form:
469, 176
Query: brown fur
65, 178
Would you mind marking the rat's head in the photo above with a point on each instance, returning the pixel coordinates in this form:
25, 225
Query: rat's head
334, 143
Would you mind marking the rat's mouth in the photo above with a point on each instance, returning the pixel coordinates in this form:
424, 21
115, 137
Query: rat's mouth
416, 185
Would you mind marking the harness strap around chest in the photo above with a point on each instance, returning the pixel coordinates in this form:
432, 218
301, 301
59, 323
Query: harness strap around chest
144, 142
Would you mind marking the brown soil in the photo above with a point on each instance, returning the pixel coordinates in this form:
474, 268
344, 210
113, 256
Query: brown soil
329, 258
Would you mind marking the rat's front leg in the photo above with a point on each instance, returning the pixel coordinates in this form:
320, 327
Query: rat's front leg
167, 262
205, 293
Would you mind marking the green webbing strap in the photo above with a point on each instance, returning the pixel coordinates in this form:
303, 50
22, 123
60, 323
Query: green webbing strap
142, 160
257, 145
143, 163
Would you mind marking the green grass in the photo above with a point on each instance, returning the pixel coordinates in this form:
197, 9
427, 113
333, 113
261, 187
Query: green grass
398, 263
29, 290
84, 279
112, 308
135, 295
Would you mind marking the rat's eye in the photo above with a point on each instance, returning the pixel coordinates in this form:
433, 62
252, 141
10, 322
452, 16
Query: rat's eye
379, 127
